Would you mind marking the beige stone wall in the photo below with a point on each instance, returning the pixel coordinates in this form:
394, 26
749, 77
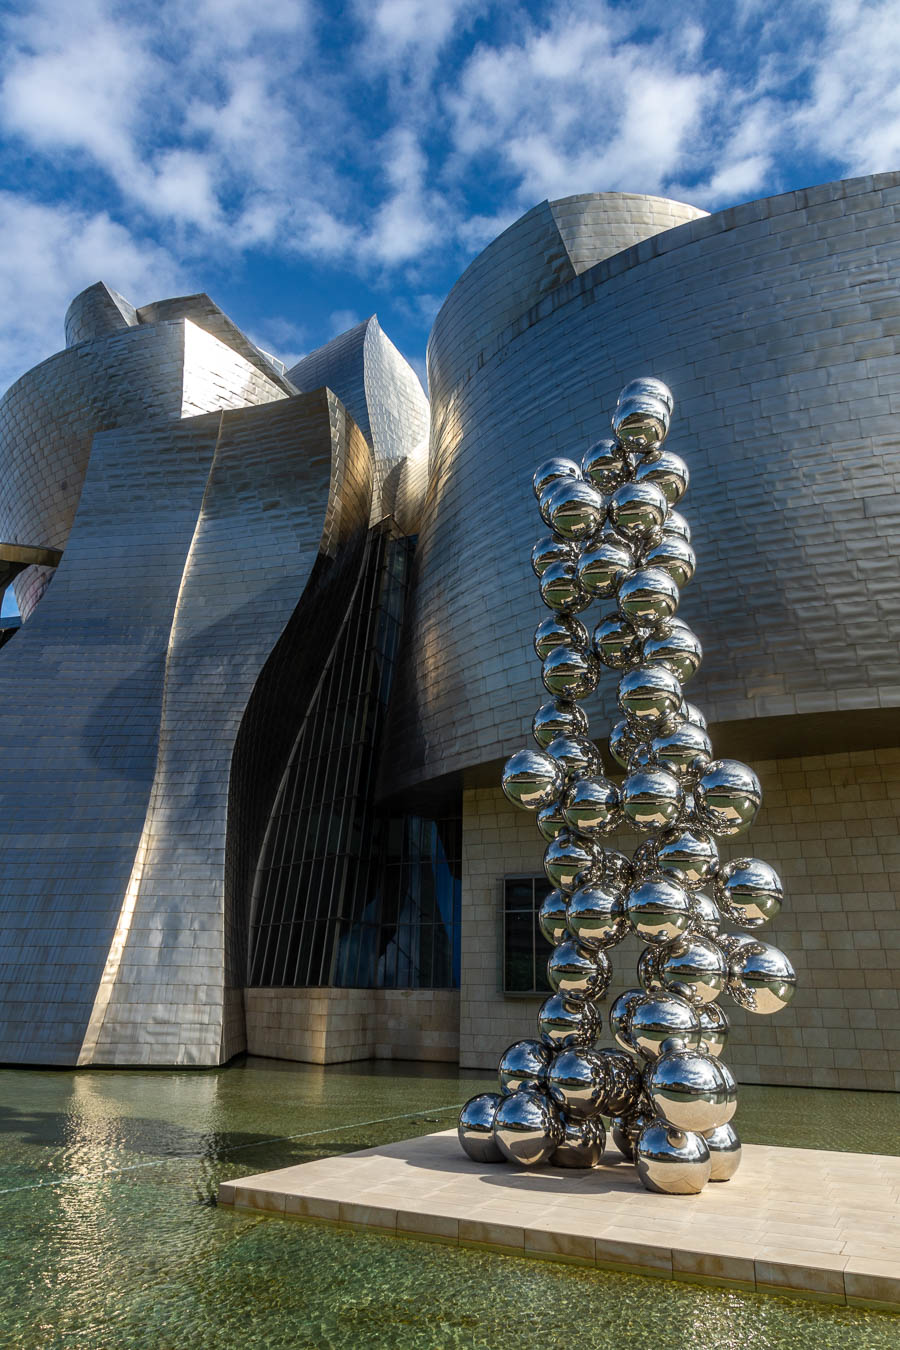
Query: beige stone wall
332, 1026
831, 826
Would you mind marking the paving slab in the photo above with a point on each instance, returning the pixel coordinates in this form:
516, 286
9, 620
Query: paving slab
792, 1221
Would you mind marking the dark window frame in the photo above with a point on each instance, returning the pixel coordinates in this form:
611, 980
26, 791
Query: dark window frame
540, 948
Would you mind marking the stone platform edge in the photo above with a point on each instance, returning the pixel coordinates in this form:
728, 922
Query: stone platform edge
852, 1280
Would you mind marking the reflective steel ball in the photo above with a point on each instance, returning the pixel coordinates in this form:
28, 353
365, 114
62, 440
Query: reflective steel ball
583, 1142
674, 646
688, 855
690, 1091
475, 1128
564, 1025
578, 973
725, 1152
527, 1128
624, 1082
674, 555
647, 386
626, 1129
652, 799
569, 674
606, 465
649, 696
576, 1081
560, 588
623, 741
728, 797
659, 910
641, 422
714, 1029
694, 967
643, 862
674, 1162
668, 471
619, 1013
707, 919
612, 870
749, 892
576, 754
615, 642
654, 1020
552, 917
572, 508
648, 974
524, 1065
602, 566
560, 630
685, 751
567, 861
591, 805
532, 779
638, 512
648, 597
693, 714
595, 917
552, 549
558, 718
551, 471
550, 820
761, 978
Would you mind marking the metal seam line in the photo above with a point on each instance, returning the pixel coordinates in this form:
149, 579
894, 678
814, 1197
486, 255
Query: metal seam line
192, 1157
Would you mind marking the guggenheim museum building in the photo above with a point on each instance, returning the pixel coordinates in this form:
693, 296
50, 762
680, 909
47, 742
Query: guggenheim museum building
277, 641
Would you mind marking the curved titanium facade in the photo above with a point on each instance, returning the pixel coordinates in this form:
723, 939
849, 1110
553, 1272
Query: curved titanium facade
778, 325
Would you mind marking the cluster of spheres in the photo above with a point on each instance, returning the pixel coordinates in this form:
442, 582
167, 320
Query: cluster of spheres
662, 1090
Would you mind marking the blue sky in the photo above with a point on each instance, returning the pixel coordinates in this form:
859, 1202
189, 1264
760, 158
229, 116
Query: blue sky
310, 163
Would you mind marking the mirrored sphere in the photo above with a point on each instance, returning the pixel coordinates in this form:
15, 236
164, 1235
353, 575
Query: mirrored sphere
649, 696
731, 943
591, 805
685, 751
577, 973
552, 549
652, 799
606, 465
576, 1081
643, 862
612, 870
690, 1091
572, 508
688, 855
625, 1130
648, 974
552, 917
714, 1029
567, 861
532, 779
668, 471
550, 820
674, 555
551, 470
624, 1083
659, 910
583, 1142
576, 754
569, 674
673, 646
616, 642
558, 718
560, 588
623, 741
475, 1128
619, 1013
638, 512
648, 597
654, 1019
603, 566
647, 386
560, 630
694, 967
761, 978
595, 917
641, 422
707, 919
724, 1150
527, 1128
524, 1065
749, 891
727, 797
674, 1162
692, 713
564, 1025
677, 524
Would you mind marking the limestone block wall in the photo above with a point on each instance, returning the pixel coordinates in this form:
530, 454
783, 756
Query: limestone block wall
831, 826
334, 1026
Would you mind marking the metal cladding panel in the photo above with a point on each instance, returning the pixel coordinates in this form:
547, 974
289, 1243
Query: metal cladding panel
777, 325
140, 375
97, 312
383, 394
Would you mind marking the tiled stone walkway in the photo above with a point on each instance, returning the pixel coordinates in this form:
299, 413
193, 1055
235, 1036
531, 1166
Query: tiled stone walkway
796, 1221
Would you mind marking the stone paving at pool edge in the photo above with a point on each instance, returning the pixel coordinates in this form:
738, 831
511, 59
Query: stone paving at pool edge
792, 1221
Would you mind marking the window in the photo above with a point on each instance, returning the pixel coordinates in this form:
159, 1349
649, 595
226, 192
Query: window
525, 949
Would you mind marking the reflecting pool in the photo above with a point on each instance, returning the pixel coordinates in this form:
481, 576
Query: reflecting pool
109, 1239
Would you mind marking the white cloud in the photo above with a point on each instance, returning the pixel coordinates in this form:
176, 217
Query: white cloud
340, 320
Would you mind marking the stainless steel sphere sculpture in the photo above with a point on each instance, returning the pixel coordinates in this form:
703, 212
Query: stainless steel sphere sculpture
668, 1097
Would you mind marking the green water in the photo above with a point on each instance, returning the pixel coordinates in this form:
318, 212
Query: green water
108, 1239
